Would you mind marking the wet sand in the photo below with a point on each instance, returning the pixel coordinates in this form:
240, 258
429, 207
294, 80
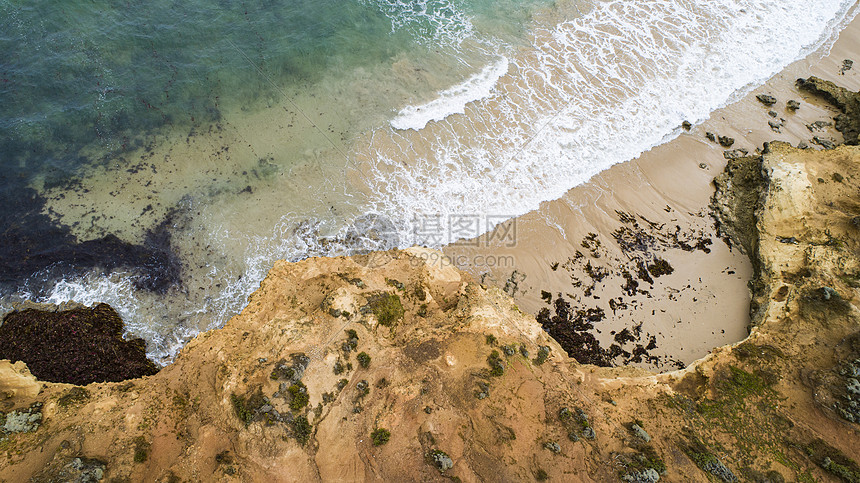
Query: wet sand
579, 246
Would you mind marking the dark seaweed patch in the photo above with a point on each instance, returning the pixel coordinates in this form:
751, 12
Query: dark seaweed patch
77, 346
31, 243
571, 329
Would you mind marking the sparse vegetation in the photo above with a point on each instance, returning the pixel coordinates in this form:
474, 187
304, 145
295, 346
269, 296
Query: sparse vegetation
363, 389
833, 461
75, 395
246, 408
441, 460
363, 360
240, 408
141, 449
490, 339
543, 355
179, 401
302, 429
351, 341
497, 365
380, 436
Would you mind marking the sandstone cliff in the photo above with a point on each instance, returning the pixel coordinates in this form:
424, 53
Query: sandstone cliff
396, 368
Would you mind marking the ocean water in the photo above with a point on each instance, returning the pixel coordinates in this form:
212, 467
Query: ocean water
160, 156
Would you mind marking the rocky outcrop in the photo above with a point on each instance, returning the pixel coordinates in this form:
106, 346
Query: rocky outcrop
457, 383
76, 345
405, 369
848, 122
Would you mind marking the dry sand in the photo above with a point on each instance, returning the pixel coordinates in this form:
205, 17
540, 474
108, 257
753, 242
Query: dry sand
704, 303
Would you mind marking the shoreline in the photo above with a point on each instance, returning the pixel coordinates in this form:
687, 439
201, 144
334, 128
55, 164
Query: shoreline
704, 302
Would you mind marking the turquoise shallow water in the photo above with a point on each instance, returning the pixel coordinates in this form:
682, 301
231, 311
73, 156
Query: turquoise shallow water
97, 85
161, 155
81, 73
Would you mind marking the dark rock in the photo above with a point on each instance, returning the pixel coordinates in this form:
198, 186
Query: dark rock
718, 469
570, 328
711, 136
802, 145
792, 105
847, 64
823, 142
686, 125
523, 351
775, 125
31, 242
772, 113
766, 99
441, 460
640, 433
649, 475
848, 123
726, 141
483, 390
735, 153
588, 433
828, 293
76, 346
553, 446
818, 126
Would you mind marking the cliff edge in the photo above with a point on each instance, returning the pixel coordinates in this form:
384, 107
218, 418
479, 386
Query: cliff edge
404, 369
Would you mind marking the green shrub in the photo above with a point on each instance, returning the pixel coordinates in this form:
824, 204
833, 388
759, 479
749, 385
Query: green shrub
75, 395
387, 308
298, 396
380, 436
302, 429
141, 449
497, 366
543, 355
241, 409
363, 359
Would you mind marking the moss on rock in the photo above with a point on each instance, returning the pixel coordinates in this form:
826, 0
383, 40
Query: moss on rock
386, 307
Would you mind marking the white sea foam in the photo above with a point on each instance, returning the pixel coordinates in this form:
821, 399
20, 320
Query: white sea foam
593, 91
453, 100
432, 22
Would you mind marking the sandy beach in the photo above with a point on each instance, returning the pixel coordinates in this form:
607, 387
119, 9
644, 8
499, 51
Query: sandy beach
577, 246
